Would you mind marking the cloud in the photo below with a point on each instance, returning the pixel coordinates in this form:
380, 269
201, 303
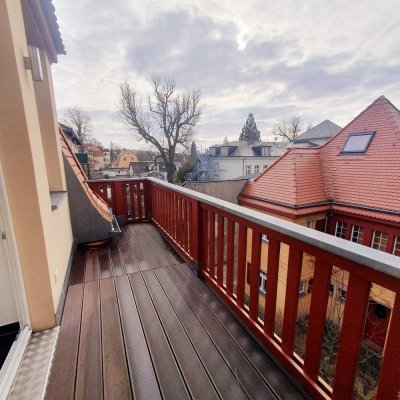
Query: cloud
274, 60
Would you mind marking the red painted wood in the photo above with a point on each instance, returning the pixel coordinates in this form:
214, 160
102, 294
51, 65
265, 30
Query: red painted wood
255, 274
316, 322
179, 231
186, 225
147, 200
205, 237
132, 201
196, 231
220, 251
139, 200
389, 381
230, 248
241, 267
120, 199
355, 312
291, 300
211, 253
271, 286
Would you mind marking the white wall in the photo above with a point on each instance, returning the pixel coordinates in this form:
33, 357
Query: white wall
234, 167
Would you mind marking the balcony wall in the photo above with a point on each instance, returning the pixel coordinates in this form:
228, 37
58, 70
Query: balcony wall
211, 235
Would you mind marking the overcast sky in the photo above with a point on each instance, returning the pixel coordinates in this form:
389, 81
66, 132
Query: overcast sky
316, 59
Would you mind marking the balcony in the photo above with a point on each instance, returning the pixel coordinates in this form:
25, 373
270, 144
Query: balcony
139, 323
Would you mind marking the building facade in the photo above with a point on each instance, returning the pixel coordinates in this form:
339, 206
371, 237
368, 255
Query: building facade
349, 188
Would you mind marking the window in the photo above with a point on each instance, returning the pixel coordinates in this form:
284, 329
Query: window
213, 151
357, 143
224, 151
302, 288
264, 238
340, 229
263, 281
331, 289
266, 151
124, 158
309, 223
265, 167
357, 234
396, 246
342, 295
379, 241
309, 286
248, 170
256, 168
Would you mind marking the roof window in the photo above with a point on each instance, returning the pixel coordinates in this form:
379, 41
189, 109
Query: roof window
357, 143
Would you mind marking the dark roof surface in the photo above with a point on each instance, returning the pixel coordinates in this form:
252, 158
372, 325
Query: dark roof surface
325, 129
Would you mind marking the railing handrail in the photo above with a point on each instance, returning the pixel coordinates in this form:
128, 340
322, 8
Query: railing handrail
383, 262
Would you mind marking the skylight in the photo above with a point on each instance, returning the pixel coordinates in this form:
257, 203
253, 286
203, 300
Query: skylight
357, 143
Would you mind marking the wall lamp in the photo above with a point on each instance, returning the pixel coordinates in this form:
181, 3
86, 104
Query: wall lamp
34, 63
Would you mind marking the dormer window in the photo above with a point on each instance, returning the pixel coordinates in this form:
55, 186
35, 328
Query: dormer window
357, 143
266, 151
224, 151
213, 151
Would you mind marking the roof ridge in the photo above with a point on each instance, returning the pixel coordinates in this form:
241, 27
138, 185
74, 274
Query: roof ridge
380, 98
388, 106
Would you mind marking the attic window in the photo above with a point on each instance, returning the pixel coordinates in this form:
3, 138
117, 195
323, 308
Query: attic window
357, 143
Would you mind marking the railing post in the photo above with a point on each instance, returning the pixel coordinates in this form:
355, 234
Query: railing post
147, 199
197, 235
119, 200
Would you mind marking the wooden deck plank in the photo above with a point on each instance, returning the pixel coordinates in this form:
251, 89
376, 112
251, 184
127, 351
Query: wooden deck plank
92, 268
250, 380
198, 382
143, 262
170, 256
278, 382
129, 259
142, 374
62, 378
169, 377
224, 379
118, 264
115, 370
89, 380
78, 267
105, 263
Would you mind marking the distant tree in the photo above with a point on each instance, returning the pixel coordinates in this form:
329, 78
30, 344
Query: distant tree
288, 129
250, 131
170, 119
78, 119
182, 171
113, 153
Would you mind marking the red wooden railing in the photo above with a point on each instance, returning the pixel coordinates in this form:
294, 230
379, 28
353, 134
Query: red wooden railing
207, 231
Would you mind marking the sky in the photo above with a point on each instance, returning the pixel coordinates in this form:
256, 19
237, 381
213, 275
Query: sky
316, 59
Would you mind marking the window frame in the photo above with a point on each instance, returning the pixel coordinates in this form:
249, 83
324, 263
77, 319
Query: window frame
385, 239
342, 294
256, 169
224, 152
302, 288
247, 169
266, 151
360, 234
343, 230
371, 135
262, 288
396, 246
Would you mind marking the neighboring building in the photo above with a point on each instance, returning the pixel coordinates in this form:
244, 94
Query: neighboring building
318, 135
349, 187
232, 160
113, 172
140, 169
72, 138
97, 159
124, 159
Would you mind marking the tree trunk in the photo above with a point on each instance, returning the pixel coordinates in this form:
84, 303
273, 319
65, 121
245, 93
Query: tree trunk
170, 172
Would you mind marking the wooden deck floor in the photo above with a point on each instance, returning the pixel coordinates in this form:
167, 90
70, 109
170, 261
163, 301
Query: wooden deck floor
138, 324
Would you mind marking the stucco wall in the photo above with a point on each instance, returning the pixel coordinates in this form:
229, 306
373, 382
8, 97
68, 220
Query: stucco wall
224, 190
43, 236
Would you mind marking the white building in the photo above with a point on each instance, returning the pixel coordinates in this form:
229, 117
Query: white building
232, 160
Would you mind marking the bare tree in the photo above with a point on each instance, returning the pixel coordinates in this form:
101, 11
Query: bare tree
288, 129
78, 119
169, 122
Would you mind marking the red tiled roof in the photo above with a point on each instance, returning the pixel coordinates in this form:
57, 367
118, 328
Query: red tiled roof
96, 200
308, 177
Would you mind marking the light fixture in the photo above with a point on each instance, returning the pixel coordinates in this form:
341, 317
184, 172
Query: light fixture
34, 63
